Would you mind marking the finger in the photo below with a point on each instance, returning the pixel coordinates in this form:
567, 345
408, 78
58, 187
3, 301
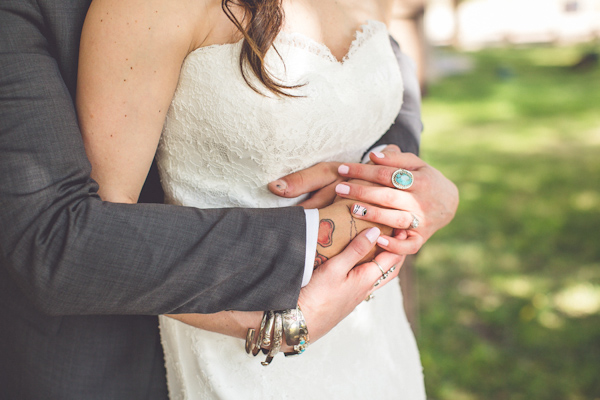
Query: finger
322, 197
379, 174
391, 264
369, 274
398, 219
356, 250
380, 196
397, 159
392, 148
411, 245
305, 181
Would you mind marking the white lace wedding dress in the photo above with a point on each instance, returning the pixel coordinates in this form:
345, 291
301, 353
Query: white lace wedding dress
222, 143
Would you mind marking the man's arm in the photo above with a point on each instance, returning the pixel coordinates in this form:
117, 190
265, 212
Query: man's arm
407, 128
74, 254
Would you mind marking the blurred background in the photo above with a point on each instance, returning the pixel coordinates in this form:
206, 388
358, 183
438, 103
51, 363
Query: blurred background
507, 299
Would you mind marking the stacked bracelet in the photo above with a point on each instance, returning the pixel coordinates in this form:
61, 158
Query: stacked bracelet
296, 332
276, 325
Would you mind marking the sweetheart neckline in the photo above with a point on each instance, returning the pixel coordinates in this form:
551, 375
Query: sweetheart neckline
362, 30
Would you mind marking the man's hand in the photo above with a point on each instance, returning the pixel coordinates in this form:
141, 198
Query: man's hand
432, 199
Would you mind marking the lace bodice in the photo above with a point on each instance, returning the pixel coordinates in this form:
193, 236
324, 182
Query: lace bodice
222, 142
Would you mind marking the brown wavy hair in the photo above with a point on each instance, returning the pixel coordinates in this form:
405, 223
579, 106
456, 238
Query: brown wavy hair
260, 25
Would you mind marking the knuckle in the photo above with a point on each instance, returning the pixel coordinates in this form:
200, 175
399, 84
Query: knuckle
401, 221
389, 197
383, 176
358, 190
393, 148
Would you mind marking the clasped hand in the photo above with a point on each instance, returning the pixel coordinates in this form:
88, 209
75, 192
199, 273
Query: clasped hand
432, 199
336, 287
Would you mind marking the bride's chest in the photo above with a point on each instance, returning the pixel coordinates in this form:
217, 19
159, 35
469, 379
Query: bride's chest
340, 108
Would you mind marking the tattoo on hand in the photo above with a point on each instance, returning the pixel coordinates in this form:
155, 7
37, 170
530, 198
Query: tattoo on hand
319, 259
326, 228
353, 228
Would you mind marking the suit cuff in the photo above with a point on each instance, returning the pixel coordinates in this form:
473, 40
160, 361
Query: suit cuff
312, 234
379, 148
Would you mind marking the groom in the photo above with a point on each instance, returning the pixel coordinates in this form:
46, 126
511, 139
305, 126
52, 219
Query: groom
81, 280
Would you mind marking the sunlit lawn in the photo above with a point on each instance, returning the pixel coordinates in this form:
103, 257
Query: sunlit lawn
510, 291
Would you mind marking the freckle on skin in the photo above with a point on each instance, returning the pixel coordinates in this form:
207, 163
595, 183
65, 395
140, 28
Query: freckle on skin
110, 135
125, 115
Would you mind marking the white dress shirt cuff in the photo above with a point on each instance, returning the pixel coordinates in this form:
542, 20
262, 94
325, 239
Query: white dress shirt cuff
312, 234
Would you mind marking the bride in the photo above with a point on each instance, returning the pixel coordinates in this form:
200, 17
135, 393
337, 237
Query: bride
233, 96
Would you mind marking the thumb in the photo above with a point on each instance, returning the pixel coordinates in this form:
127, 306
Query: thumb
355, 251
305, 181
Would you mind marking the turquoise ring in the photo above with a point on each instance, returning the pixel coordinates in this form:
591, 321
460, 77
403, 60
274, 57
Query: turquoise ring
402, 179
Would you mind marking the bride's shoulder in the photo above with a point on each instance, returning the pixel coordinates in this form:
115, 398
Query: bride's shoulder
181, 23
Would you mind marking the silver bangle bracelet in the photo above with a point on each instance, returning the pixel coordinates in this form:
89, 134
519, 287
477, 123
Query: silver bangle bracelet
277, 338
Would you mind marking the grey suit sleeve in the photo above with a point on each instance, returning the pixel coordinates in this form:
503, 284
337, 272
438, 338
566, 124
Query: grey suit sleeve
407, 128
72, 253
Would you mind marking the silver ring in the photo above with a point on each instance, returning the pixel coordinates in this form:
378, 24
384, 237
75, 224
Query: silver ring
402, 179
415, 222
383, 274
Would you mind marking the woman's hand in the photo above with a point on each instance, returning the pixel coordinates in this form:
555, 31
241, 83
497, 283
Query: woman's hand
432, 199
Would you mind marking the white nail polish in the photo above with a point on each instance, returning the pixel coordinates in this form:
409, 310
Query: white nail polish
342, 189
383, 241
343, 169
373, 234
378, 154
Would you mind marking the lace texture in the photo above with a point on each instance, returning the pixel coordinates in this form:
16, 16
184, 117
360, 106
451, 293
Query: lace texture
221, 144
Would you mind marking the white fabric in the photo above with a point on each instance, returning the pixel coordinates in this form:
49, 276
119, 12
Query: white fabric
222, 143
312, 234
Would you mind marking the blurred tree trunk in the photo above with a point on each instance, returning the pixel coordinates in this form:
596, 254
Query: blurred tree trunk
456, 32
406, 27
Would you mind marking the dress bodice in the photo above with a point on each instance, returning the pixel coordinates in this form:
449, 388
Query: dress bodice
222, 142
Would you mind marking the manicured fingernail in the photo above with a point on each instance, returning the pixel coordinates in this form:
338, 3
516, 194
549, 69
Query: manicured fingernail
383, 241
343, 169
378, 154
280, 185
373, 234
359, 210
342, 189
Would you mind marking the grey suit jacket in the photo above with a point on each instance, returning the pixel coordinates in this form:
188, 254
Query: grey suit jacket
82, 280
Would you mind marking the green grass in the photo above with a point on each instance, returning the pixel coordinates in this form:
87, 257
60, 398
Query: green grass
510, 290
